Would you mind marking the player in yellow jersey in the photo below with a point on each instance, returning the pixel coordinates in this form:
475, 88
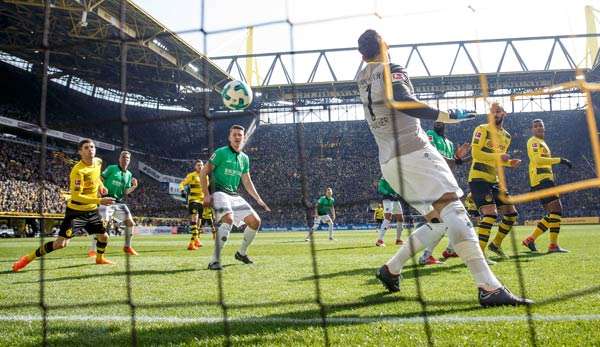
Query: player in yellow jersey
378, 215
542, 177
195, 196
483, 181
82, 209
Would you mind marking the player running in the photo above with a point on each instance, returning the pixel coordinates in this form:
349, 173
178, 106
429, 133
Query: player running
542, 177
419, 173
81, 213
119, 183
228, 166
324, 213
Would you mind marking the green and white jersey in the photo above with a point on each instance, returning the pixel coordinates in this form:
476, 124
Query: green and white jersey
229, 166
442, 144
324, 205
116, 181
384, 188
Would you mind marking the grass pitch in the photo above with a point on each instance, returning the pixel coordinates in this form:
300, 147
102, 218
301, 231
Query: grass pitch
274, 302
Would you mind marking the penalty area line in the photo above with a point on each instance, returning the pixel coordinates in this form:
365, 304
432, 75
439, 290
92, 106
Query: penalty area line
309, 321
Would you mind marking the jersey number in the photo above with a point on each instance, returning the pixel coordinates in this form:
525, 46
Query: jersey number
373, 117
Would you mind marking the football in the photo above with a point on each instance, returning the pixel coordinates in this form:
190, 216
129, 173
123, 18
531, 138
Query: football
237, 95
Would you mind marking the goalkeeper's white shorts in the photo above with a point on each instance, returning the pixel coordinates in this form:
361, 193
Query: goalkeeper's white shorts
421, 178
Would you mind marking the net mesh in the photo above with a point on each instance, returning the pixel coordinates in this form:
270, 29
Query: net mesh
211, 125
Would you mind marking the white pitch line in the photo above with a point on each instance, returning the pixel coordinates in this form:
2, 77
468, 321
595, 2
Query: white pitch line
310, 321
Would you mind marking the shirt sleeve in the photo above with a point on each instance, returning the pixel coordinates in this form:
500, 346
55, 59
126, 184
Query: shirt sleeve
403, 91
246, 167
216, 158
107, 171
185, 182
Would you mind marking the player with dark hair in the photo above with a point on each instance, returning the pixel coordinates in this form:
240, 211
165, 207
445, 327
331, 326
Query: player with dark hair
483, 180
81, 213
228, 166
542, 177
194, 197
324, 213
417, 171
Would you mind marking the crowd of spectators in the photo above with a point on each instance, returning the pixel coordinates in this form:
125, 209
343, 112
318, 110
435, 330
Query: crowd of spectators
291, 164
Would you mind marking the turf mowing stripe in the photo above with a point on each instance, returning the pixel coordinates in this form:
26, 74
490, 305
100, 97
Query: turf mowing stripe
310, 321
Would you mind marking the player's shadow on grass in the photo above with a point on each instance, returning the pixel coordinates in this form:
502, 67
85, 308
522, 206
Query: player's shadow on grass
369, 272
111, 274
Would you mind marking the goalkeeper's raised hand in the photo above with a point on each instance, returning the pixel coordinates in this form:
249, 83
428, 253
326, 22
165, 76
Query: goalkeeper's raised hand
455, 115
566, 162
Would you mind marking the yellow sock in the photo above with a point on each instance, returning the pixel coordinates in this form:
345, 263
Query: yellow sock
31, 256
484, 229
555, 219
504, 227
541, 227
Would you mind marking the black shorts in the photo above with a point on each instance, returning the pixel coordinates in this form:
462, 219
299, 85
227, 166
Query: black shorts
473, 213
206, 221
379, 221
545, 184
79, 221
195, 208
485, 193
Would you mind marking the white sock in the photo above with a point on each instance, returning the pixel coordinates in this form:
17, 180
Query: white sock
220, 240
399, 227
93, 245
249, 235
424, 235
384, 225
330, 229
429, 249
128, 236
465, 243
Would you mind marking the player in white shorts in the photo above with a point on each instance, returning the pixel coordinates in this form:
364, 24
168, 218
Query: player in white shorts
229, 166
119, 182
392, 207
324, 213
416, 170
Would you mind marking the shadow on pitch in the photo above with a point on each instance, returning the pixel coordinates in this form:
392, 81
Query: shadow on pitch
111, 274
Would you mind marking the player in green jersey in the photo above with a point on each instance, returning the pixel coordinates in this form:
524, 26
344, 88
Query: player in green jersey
228, 166
324, 213
119, 182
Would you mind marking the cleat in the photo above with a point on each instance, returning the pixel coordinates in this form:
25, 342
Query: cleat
215, 265
446, 254
197, 243
498, 250
529, 243
430, 260
399, 242
380, 243
92, 254
20, 264
500, 297
130, 250
552, 248
243, 258
390, 281
192, 247
103, 261
332, 239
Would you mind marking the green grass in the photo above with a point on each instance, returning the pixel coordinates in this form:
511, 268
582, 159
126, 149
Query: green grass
273, 301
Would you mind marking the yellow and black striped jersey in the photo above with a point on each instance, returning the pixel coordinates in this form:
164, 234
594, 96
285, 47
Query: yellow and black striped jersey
379, 214
483, 166
84, 183
193, 180
540, 161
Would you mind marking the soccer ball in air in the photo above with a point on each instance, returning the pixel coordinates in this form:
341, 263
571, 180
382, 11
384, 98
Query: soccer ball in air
237, 95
